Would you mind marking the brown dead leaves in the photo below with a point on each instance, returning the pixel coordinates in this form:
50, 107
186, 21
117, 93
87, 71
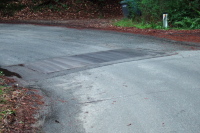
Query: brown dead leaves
66, 10
17, 108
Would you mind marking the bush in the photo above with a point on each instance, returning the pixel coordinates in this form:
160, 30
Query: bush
178, 10
191, 23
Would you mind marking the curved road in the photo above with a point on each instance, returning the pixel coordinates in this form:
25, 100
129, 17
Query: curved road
106, 82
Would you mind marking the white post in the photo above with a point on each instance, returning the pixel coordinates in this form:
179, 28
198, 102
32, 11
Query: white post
165, 23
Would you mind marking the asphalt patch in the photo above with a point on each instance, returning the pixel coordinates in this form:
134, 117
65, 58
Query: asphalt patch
89, 59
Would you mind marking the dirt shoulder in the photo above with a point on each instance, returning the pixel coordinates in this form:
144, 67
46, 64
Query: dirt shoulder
18, 107
190, 37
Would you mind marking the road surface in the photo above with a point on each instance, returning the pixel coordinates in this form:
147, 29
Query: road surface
106, 82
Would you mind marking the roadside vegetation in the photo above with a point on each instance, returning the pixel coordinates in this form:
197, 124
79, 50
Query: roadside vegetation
17, 107
144, 14
141, 25
183, 14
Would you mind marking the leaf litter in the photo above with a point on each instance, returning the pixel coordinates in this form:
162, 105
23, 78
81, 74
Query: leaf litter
17, 107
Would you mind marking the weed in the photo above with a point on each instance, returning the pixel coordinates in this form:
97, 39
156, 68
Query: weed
124, 23
1, 73
2, 92
5, 113
140, 25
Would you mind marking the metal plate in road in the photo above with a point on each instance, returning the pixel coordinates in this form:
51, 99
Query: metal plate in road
88, 59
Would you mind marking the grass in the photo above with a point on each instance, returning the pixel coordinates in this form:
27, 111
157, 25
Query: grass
2, 100
140, 25
143, 25
1, 92
5, 109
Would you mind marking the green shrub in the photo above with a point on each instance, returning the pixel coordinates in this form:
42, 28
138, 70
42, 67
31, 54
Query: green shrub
191, 23
182, 13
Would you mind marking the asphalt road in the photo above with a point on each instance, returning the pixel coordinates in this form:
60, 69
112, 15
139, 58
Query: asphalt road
106, 82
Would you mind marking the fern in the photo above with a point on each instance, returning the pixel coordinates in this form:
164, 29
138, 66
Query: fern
191, 23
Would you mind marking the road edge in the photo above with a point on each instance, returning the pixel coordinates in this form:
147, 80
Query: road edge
77, 26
